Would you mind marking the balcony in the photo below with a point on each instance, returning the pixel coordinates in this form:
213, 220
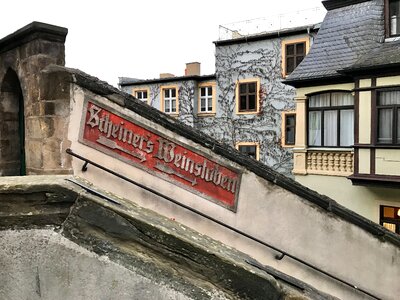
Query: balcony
334, 163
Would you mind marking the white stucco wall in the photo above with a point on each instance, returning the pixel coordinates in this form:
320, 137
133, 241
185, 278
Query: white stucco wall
265, 211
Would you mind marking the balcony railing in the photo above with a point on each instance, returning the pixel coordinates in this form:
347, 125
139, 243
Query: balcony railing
339, 163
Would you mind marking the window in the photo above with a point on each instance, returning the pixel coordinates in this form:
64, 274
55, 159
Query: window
169, 100
289, 128
142, 95
388, 114
247, 96
392, 17
331, 120
293, 52
206, 98
250, 149
390, 218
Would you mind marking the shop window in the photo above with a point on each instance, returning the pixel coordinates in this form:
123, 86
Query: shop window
250, 149
390, 218
206, 98
331, 120
392, 17
169, 100
247, 96
388, 115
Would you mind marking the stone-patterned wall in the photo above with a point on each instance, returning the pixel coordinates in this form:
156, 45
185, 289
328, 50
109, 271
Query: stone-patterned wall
252, 60
259, 59
187, 93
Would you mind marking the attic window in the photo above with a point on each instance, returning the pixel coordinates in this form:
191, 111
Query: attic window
392, 18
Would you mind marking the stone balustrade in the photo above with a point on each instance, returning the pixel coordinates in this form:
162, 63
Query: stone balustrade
329, 163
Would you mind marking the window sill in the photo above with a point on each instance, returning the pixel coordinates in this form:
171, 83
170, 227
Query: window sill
247, 112
392, 39
206, 114
174, 115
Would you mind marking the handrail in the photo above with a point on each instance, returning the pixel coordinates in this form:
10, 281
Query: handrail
278, 257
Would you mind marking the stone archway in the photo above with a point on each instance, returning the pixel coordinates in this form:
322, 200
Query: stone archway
12, 126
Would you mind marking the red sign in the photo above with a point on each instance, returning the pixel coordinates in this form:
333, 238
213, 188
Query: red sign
112, 134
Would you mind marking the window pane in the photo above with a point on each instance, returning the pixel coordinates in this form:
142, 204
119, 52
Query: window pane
300, 48
290, 130
252, 87
398, 126
394, 17
290, 120
298, 60
389, 98
202, 92
173, 105
203, 104
243, 103
390, 226
342, 99
173, 92
249, 150
145, 94
290, 135
330, 128
314, 128
289, 65
347, 127
209, 89
252, 102
290, 49
167, 106
388, 212
242, 88
320, 100
166, 93
385, 122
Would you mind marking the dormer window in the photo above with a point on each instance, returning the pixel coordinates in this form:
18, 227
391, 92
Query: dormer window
392, 16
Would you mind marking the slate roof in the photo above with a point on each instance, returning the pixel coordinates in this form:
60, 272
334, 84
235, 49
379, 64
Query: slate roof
387, 54
346, 35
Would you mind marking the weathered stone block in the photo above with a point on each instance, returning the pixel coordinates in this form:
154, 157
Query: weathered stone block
55, 85
55, 108
34, 154
51, 151
34, 64
39, 127
53, 49
60, 127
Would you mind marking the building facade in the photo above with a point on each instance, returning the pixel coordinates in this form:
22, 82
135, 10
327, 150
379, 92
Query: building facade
244, 104
348, 109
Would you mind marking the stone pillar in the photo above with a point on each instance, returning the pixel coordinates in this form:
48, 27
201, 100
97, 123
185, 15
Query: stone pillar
28, 52
299, 150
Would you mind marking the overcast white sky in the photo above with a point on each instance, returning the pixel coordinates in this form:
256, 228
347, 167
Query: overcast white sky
109, 39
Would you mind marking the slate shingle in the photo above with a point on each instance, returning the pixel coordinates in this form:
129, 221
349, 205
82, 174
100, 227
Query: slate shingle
346, 35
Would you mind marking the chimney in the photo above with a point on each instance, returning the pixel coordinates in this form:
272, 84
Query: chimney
192, 69
166, 75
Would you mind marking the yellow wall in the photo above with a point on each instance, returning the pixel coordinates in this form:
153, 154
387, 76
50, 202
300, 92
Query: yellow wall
361, 199
301, 92
365, 118
390, 80
364, 162
388, 162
